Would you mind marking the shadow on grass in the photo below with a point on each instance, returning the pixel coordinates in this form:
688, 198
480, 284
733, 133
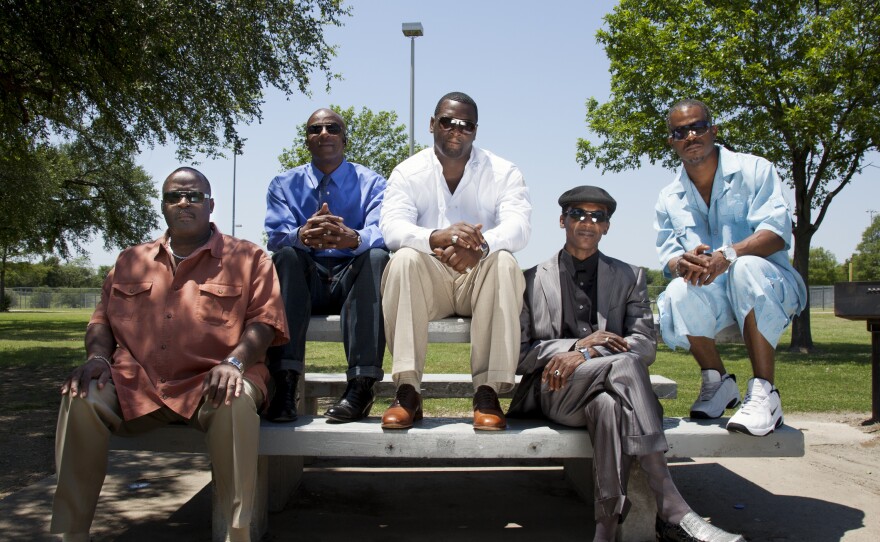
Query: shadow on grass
41, 330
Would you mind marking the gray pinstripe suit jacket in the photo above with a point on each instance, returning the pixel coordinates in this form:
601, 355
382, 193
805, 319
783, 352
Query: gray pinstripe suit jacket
623, 308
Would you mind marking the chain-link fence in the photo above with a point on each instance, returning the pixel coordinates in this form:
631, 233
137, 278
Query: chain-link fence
43, 297
821, 297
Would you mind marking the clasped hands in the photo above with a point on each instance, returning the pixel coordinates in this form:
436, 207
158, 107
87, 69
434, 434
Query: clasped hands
325, 230
564, 364
700, 267
458, 246
222, 384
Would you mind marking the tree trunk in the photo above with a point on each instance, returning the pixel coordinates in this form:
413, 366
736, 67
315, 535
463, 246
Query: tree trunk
3, 306
801, 334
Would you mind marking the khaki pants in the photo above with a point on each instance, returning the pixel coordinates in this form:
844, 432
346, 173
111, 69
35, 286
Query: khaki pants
417, 288
82, 439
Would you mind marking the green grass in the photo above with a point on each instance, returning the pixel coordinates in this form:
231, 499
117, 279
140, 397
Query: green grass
29, 338
836, 377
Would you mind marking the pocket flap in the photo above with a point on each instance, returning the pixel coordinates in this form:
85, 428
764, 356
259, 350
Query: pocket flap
221, 290
132, 288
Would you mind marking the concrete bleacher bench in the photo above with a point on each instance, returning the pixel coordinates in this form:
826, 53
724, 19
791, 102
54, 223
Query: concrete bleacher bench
283, 447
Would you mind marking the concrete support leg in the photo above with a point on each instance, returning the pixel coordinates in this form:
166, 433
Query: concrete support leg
639, 524
286, 473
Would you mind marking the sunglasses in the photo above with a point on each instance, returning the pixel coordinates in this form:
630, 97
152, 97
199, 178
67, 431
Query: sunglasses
581, 215
332, 128
191, 196
449, 123
682, 132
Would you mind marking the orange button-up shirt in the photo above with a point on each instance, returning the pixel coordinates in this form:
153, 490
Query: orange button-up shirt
172, 327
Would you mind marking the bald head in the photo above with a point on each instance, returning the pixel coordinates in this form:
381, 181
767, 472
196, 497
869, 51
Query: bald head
191, 175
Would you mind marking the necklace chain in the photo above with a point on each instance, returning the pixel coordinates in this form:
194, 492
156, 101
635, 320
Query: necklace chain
181, 258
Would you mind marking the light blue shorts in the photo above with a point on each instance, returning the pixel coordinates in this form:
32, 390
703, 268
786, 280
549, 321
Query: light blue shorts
751, 283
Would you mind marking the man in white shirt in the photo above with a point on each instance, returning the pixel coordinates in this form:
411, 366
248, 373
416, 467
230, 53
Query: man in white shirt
453, 214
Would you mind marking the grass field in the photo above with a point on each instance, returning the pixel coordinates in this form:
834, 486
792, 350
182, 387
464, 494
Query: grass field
836, 377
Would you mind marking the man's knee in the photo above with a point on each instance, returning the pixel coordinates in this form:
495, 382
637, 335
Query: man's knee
378, 259
289, 259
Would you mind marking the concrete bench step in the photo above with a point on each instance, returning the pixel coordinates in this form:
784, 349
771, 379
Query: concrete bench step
447, 330
440, 386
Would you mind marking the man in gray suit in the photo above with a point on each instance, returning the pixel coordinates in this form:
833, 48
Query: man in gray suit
587, 341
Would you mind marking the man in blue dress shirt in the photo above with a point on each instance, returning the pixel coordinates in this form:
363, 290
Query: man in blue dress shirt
322, 221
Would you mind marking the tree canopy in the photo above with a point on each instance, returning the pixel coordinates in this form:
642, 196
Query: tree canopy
56, 198
153, 71
375, 140
797, 82
866, 264
824, 269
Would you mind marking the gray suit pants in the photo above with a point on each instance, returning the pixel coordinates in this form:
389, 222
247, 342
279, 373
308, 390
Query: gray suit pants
612, 397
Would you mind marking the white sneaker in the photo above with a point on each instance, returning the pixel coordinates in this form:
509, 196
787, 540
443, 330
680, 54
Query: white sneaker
716, 394
760, 413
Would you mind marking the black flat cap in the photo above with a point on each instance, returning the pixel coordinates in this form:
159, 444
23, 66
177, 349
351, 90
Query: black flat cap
588, 194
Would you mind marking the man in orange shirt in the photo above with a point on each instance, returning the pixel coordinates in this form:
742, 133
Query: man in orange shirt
180, 335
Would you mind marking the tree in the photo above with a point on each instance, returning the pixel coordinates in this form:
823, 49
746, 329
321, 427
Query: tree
866, 264
54, 199
153, 70
375, 140
797, 82
824, 268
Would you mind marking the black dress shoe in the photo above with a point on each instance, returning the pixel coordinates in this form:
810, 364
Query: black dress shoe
693, 528
282, 409
355, 403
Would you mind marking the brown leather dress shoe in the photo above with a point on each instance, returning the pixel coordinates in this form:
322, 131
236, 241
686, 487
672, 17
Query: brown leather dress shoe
488, 415
406, 409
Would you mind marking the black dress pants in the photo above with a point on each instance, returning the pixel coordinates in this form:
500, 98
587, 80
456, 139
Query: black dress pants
345, 286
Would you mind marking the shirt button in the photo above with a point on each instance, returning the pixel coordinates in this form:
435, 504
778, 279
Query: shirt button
581, 307
131, 290
581, 283
163, 347
162, 380
168, 315
584, 329
177, 287
220, 291
164, 396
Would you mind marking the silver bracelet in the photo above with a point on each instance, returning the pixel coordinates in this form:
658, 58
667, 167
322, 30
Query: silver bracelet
102, 358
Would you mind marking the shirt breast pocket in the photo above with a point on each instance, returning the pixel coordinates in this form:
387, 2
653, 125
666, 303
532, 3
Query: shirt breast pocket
127, 300
219, 304
733, 208
681, 224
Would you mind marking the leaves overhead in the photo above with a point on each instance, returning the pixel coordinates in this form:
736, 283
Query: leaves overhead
155, 71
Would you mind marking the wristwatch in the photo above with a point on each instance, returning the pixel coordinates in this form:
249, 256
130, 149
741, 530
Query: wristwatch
728, 252
484, 246
235, 362
585, 351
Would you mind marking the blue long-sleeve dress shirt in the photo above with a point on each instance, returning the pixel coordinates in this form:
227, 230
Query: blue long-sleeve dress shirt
354, 192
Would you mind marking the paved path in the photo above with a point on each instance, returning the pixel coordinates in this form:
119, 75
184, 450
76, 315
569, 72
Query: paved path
833, 493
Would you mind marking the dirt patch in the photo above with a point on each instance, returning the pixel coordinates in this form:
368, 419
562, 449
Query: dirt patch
30, 399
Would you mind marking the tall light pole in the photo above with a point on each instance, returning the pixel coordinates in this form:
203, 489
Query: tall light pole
236, 150
412, 31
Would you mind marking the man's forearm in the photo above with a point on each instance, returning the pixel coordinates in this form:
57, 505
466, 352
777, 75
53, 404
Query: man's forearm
100, 341
253, 343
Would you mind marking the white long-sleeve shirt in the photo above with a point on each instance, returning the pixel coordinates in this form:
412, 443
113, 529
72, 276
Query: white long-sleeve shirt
492, 192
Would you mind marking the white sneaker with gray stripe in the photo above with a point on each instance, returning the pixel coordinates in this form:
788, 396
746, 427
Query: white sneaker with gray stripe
717, 393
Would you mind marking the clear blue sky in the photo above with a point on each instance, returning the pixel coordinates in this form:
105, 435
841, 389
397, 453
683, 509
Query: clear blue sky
530, 66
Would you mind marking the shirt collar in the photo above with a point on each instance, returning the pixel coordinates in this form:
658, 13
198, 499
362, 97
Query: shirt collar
214, 244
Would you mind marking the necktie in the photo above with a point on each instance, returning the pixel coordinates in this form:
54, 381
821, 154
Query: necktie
322, 189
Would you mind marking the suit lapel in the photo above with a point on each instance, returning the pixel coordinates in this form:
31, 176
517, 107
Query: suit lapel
606, 282
548, 279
